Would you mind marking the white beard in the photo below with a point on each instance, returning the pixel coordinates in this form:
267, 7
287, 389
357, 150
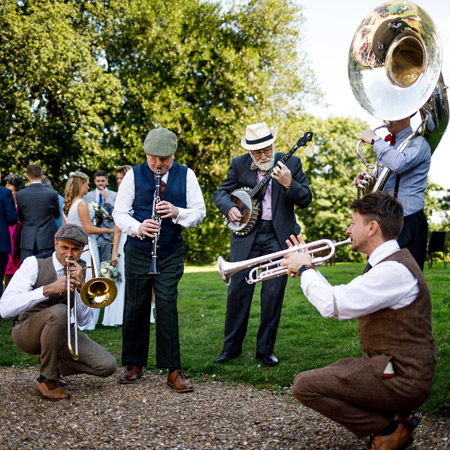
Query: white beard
263, 166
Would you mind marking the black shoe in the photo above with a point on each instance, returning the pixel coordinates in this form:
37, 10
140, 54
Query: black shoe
268, 360
227, 356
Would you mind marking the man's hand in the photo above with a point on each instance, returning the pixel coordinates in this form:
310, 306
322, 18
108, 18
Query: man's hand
148, 228
234, 215
367, 136
166, 210
60, 285
283, 175
293, 261
103, 192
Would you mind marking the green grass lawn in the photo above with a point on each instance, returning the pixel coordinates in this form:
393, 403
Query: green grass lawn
305, 340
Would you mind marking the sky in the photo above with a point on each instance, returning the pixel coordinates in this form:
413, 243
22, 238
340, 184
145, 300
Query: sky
329, 29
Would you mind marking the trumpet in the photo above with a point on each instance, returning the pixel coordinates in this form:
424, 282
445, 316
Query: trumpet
268, 266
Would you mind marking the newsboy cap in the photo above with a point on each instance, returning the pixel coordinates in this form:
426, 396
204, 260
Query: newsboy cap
160, 142
72, 232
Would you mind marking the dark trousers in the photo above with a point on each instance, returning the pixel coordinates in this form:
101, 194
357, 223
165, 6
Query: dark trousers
240, 295
25, 253
414, 236
3, 263
138, 297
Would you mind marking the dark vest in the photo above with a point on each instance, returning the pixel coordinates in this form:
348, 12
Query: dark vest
46, 275
404, 334
170, 238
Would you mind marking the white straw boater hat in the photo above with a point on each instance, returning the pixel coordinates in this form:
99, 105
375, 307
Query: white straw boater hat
257, 136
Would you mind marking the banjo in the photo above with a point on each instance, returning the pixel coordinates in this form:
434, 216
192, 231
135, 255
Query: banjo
245, 197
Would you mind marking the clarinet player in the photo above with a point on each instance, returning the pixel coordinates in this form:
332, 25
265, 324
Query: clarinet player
181, 206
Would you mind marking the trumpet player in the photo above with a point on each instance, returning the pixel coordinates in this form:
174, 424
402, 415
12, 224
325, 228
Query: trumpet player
37, 299
407, 183
181, 205
377, 393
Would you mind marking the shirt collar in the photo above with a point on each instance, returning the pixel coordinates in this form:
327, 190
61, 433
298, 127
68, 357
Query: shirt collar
403, 134
383, 251
56, 264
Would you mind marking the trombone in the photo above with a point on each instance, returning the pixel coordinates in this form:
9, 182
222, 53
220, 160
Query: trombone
98, 292
268, 266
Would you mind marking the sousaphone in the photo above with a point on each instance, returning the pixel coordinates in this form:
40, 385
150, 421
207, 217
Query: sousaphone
394, 68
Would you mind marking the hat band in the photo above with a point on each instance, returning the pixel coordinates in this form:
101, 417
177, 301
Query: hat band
258, 141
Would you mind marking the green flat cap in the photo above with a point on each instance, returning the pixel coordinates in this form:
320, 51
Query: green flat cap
160, 142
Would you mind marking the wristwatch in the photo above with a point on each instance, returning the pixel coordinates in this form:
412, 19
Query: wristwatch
303, 268
375, 139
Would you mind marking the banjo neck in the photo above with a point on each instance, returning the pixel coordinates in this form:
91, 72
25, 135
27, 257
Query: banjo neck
301, 142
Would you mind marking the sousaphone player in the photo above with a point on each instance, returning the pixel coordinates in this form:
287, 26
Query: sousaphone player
288, 188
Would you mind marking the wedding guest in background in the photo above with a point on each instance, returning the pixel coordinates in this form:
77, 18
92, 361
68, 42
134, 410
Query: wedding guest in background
106, 198
38, 207
8, 217
77, 211
47, 183
113, 313
14, 183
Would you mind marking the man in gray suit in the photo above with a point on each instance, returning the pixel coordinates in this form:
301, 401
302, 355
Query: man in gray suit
287, 188
106, 198
38, 207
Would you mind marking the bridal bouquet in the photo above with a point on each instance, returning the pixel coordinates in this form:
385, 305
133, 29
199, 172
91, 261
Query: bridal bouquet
100, 213
109, 271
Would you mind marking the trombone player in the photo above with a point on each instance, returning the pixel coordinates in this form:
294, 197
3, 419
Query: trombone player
37, 299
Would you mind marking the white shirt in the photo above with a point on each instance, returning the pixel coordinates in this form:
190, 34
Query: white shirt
190, 216
387, 285
19, 296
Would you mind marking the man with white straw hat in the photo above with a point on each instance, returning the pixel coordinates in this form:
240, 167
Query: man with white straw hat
287, 188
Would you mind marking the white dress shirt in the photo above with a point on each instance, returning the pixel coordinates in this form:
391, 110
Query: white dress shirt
190, 216
389, 284
20, 296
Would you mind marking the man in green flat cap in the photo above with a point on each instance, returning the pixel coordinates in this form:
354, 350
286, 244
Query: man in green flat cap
181, 205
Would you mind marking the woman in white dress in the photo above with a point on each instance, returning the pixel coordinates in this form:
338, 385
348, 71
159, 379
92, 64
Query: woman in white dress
76, 210
113, 315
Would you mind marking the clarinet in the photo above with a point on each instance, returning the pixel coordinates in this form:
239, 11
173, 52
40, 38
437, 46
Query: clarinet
156, 217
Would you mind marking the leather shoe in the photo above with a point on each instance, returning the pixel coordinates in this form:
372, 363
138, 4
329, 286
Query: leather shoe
178, 382
226, 356
131, 375
50, 390
268, 360
399, 440
61, 381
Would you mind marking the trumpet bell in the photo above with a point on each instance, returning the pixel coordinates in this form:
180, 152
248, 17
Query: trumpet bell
98, 292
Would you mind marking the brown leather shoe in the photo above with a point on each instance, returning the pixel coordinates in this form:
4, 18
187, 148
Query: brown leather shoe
131, 375
178, 382
51, 391
399, 440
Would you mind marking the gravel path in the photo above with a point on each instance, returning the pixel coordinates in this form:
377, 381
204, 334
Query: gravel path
101, 414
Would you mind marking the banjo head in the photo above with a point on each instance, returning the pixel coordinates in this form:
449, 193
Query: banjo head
249, 209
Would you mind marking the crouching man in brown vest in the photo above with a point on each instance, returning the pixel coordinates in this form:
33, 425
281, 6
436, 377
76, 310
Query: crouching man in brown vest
37, 297
374, 394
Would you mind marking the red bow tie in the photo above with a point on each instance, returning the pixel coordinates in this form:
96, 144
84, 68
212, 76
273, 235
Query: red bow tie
390, 138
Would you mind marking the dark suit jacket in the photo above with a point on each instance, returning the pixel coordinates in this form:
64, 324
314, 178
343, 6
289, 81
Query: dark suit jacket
8, 216
38, 207
283, 201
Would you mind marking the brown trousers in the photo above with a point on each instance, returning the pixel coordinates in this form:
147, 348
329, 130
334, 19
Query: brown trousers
45, 334
353, 393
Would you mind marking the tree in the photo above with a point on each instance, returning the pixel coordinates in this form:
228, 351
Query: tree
56, 98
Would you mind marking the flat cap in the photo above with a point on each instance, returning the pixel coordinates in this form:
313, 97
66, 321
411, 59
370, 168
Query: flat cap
72, 232
160, 142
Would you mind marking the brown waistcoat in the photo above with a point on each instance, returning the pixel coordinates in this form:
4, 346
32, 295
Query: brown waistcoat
46, 275
403, 334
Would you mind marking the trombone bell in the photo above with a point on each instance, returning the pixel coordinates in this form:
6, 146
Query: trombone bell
98, 292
